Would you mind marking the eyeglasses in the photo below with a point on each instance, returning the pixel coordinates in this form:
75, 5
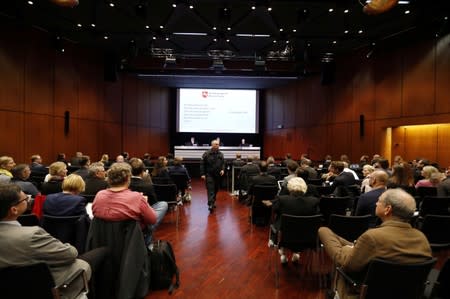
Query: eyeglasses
27, 199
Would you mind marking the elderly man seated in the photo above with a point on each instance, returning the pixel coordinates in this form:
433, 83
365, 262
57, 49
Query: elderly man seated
394, 240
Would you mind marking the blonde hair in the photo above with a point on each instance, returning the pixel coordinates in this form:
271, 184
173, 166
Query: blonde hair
73, 183
5, 160
56, 168
428, 171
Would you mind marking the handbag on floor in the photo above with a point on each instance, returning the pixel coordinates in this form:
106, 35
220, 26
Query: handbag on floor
164, 273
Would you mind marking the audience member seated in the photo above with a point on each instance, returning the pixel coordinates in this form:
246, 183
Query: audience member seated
61, 157
248, 171
68, 202
6, 165
96, 180
341, 179
21, 173
36, 166
170, 158
53, 184
120, 159
273, 169
432, 177
142, 182
382, 164
243, 143
402, 177
238, 162
443, 189
395, 240
367, 201
191, 142
287, 158
295, 203
347, 169
119, 203
306, 165
366, 171
27, 245
147, 159
84, 163
262, 178
75, 161
179, 169
291, 168
160, 173
105, 160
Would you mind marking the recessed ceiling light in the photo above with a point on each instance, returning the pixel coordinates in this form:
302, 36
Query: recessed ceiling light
174, 5
346, 10
309, 44
294, 30
30, 2
92, 25
407, 12
228, 40
253, 7
161, 26
228, 28
167, 38
214, 28
331, 10
79, 25
269, 8
147, 27
215, 39
154, 37
274, 41
105, 37
281, 29
360, 31
346, 31
287, 42
334, 42
111, 4
191, 6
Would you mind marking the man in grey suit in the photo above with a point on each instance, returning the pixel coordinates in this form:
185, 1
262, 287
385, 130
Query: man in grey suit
26, 245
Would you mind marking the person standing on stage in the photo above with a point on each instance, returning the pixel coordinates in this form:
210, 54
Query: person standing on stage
211, 170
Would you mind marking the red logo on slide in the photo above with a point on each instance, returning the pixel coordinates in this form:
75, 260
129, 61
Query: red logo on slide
204, 94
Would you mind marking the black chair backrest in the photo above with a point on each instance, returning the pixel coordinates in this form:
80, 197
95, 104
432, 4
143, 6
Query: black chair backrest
442, 290
349, 227
28, 220
68, 229
316, 182
335, 205
426, 191
166, 192
385, 279
180, 179
434, 205
33, 281
299, 232
264, 192
437, 229
89, 197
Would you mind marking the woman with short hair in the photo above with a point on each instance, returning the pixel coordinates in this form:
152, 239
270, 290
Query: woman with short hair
69, 202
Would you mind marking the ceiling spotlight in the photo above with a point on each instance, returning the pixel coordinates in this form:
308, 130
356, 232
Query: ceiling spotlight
228, 28
79, 25
294, 30
253, 7
281, 29
191, 6
274, 41
105, 37
346, 31
228, 40
161, 26
147, 27
346, 11
269, 8
167, 38
214, 28
407, 12
360, 31
111, 4
93, 25
174, 5
30, 2
331, 10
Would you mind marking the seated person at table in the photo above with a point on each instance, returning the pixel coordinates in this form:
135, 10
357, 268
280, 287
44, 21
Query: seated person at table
191, 142
21, 173
119, 203
295, 203
27, 245
394, 240
68, 202
243, 143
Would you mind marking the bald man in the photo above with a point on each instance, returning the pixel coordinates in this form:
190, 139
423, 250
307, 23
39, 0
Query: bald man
212, 168
394, 240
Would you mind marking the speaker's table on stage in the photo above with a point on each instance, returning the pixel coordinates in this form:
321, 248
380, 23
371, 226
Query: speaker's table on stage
229, 152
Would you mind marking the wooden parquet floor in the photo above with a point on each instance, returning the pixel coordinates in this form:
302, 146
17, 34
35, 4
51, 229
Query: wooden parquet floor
219, 256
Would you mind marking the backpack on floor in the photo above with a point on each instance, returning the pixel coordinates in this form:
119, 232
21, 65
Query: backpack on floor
163, 267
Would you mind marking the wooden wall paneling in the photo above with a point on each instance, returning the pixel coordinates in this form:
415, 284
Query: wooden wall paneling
418, 80
156, 108
11, 71
62, 143
143, 103
164, 112
443, 145
364, 91
143, 141
268, 114
164, 141
277, 109
443, 75
129, 100
388, 84
398, 144
421, 141
291, 141
110, 139
67, 83
90, 94
39, 136
112, 102
12, 126
268, 144
290, 106
315, 139
130, 139
342, 96
88, 138
340, 139
361, 144
316, 108
39, 74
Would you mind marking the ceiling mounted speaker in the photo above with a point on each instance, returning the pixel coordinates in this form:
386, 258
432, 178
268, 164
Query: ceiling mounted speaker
66, 3
376, 7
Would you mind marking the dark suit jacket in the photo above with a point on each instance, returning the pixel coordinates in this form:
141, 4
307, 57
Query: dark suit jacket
64, 204
343, 180
275, 171
139, 185
262, 179
367, 202
52, 186
297, 205
94, 184
37, 168
443, 189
